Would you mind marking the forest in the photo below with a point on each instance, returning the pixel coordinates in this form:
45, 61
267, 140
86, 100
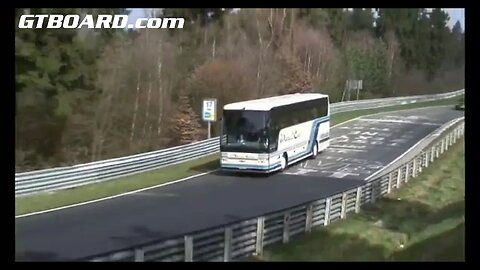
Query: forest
91, 94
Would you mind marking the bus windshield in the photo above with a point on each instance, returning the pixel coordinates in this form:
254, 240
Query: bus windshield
245, 131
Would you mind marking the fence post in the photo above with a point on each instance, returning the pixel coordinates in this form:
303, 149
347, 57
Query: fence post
357, 200
399, 177
326, 219
437, 147
309, 218
286, 227
390, 179
188, 248
432, 156
455, 135
426, 159
407, 171
415, 167
260, 234
139, 255
420, 163
227, 247
373, 193
344, 205
444, 145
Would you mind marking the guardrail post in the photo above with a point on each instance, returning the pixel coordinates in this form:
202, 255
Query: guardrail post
455, 135
420, 163
399, 177
390, 179
188, 248
343, 213
426, 159
326, 219
139, 255
309, 218
286, 227
260, 234
437, 147
373, 198
407, 171
444, 147
415, 167
227, 247
357, 200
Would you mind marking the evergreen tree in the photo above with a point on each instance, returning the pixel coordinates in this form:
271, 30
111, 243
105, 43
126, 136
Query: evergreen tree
186, 122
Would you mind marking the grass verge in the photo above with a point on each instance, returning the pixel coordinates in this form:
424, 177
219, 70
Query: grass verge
44, 201
422, 221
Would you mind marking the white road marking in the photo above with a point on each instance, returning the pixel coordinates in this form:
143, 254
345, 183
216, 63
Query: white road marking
433, 134
398, 121
340, 174
306, 163
340, 149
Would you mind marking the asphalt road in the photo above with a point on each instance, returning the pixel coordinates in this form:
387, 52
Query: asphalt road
358, 149
361, 147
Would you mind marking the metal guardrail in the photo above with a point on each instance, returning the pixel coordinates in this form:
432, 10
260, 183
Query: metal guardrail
241, 239
99, 171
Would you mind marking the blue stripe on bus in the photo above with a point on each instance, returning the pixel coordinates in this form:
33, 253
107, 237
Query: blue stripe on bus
313, 134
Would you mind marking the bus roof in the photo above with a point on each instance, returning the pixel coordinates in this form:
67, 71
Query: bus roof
266, 104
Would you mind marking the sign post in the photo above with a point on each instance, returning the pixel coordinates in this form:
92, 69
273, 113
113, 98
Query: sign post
352, 85
209, 112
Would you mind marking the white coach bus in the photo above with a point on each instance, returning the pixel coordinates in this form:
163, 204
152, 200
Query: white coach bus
269, 134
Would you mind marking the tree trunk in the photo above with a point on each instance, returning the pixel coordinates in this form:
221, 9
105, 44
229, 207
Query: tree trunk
260, 54
135, 111
213, 49
160, 99
292, 40
147, 110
